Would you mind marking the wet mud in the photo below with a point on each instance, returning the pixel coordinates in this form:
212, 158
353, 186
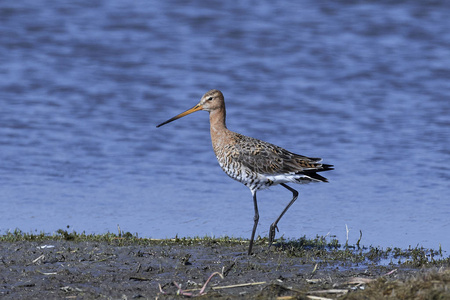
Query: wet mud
120, 267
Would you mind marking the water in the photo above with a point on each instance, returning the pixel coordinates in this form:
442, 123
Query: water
363, 85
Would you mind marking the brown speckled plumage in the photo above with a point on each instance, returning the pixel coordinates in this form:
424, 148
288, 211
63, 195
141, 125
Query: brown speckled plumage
257, 157
255, 163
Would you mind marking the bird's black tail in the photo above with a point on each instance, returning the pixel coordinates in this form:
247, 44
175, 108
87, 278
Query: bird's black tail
313, 173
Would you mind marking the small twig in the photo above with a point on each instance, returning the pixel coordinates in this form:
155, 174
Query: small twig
391, 272
330, 291
39, 258
360, 237
160, 289
237, 285
227, 270
346, 229
314, 280
138, 268
317, 297
47, 273
139, 278
207, 281
359, 280
180, 291
70, 289
230, 286
315, 269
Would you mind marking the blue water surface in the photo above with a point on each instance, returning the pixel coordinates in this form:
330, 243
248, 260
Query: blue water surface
365, 85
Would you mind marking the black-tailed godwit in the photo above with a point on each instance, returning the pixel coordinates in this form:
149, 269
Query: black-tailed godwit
255, 163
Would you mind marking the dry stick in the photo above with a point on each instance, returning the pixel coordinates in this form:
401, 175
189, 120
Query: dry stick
317, 298
391, 272
237, 285
359, 280
187, 292
330, 291
231, 286
360, 237
39, 258
180, 291
207, 281
315, 268
47, 273
202, 290
160, 289
346, 242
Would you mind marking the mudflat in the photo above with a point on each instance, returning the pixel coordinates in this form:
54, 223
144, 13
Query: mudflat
123, 266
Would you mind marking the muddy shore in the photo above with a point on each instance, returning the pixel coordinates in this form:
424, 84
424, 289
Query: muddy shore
77, 266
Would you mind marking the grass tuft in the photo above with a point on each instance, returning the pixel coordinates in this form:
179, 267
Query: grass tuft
326, 250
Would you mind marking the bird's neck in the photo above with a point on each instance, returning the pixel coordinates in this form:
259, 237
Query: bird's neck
218, 127
217, 119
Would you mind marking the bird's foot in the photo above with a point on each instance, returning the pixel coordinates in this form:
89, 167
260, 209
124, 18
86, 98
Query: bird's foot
272, 233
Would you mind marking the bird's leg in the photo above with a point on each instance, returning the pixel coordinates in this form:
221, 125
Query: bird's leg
274, 224
255, 220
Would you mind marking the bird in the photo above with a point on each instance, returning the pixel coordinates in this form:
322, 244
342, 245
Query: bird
255, 163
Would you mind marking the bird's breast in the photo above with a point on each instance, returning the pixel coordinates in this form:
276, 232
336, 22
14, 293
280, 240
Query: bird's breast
236, 169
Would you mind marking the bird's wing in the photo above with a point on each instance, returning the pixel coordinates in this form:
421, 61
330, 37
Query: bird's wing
265, 158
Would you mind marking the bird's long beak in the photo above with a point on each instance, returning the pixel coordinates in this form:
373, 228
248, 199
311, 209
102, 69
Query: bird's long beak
189, 111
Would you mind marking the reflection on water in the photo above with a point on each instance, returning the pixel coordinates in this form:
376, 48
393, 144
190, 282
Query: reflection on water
365, 86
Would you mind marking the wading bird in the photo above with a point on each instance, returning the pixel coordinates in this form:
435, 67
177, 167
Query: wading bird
255, 163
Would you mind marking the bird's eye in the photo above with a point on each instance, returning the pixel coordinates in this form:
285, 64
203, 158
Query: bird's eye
209, 99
